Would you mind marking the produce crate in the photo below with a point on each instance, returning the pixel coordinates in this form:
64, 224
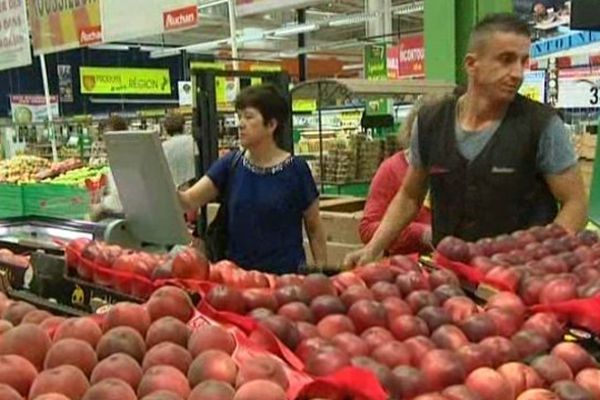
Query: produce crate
11, 200
53, 200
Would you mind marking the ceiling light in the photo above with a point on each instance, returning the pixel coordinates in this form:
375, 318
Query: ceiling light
210, 4
353, 19
295, 29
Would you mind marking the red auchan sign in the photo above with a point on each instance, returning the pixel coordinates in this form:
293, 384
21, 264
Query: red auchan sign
90, 35
182, 18
411, 63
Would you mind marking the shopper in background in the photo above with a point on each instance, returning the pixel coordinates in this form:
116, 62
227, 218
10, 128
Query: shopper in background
496, 161
114, 123
416, 237
270, 195
179, 150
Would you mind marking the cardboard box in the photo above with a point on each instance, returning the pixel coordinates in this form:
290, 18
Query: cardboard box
341, 220
335, 254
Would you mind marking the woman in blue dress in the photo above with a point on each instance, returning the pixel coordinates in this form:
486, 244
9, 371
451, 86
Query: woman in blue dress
271, 193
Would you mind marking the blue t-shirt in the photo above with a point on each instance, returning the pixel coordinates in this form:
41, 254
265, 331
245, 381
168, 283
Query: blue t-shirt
266, 208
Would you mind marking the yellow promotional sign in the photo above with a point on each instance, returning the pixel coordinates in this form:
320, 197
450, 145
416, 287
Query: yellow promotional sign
98, 80
304, 105
58, 25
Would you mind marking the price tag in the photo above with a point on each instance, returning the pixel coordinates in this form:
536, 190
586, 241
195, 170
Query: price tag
579, 88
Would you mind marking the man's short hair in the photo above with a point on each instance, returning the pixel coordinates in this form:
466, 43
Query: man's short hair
271, 104
494, 23
174, 124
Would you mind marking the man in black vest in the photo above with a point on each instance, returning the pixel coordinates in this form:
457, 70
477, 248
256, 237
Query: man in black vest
495, 161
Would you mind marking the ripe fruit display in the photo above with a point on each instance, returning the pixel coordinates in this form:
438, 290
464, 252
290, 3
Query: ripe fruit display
542, 265
22, 169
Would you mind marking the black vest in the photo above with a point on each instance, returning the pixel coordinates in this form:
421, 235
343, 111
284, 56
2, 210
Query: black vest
498, 192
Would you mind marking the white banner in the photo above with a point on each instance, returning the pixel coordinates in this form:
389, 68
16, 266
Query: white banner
579, 88
250, 7
14, 34
534, 86
28, 109
186, 95
132, 19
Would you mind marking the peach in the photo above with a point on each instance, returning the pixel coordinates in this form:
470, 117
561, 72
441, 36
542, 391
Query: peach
538, 394
442, 369
260, 389
5, 326
521, 377
167, 329
392, 354
110, 389
51, 324
212, 390
120, 366
489, 384
36, 317
170, 301
65, 379
164, 377
212, 364
17, 372
210, 337
16, 311
168, 354
163, 395
127, 314
262, 367
589, 379
122, 339
84, 328
8, 393
353, 345
26, 340
73, 352
552, 369
574, 355
332, 325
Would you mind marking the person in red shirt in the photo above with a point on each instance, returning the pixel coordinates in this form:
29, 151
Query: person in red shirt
416, 238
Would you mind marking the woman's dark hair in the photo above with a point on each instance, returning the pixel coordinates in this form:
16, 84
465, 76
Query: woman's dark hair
271, 104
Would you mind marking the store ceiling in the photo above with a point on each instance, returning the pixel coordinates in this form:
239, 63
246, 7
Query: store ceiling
326, 40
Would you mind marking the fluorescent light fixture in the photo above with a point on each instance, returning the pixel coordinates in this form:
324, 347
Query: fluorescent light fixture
342, 44
109, 46
207, 46
352, 19
353, 67
295, 29
210, 4
409, 8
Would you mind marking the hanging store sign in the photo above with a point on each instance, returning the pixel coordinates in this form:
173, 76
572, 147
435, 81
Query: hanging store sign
411, 60
27, 109
250, 7
58, 25
186, 94
376, 62
534, 86
158, 17
65, 83
393, 62
97, 80
14, 34
579, 88
553, 47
